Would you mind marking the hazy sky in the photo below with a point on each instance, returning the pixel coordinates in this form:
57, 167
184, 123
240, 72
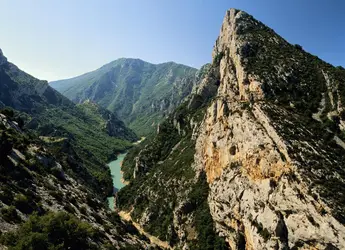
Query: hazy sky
55, 39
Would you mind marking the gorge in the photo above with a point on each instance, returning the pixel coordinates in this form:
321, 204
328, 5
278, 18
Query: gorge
244, 153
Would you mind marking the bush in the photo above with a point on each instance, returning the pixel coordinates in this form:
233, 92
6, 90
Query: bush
6, 146
10, 214
69, 208
218, 57
22, 204
83, 210
6, 196
98, 218
52, 231
92, 202
8, 112
114, 218
57, 195
207, 237
299, 47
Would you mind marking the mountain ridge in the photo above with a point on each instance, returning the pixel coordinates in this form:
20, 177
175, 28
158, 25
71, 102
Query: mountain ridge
121, 59
140, 93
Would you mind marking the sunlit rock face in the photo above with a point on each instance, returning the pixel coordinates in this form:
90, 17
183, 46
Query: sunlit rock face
266, 166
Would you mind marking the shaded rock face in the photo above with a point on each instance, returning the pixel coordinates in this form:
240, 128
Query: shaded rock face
3, 59
271, 171
23, 92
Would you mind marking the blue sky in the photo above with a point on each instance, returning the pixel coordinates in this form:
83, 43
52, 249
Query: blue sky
56, 39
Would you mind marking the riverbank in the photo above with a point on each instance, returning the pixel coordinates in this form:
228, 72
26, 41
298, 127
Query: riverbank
123, 180
121, 172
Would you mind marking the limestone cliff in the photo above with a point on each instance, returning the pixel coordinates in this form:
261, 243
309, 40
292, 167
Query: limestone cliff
274, 179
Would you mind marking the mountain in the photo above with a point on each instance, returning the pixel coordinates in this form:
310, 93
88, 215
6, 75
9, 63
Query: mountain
140, 93
254, 158
90, 133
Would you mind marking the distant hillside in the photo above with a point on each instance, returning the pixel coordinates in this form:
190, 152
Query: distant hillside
140, 93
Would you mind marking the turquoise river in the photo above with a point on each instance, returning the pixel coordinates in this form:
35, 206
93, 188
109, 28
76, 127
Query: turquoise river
115, 169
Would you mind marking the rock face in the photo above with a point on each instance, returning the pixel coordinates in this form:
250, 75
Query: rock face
265, 125
269, 173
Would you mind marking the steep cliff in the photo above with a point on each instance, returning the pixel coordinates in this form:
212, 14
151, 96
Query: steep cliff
268, 141
275, 174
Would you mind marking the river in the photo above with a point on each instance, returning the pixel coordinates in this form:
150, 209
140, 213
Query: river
115, 169
116, 174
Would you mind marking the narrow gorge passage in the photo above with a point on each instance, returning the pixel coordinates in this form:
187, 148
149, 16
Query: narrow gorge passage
116, 174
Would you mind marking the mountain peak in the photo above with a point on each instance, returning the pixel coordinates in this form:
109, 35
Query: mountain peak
258, 64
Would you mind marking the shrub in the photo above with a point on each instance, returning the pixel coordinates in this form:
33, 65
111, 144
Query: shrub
10, 214
22, 204
98, 218
52, 231
92, 202
8, 112
218, 57
299, 47
6, 196
114, 218
207, 237
57, 195
83, 210
69, 208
